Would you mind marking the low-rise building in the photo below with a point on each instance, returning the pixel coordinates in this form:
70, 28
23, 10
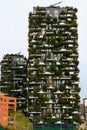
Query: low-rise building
7, 110
85, 108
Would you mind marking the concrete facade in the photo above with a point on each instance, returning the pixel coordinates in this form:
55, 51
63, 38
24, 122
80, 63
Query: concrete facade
7, 110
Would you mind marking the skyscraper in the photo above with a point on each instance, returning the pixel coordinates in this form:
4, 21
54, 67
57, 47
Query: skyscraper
53, 65
14, 77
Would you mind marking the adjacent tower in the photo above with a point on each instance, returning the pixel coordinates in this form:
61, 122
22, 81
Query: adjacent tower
53, 89
14, 78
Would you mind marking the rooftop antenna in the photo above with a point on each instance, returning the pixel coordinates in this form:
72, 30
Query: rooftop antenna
57, 3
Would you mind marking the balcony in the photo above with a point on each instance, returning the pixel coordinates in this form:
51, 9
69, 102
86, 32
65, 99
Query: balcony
16, 79
75, 83
41, 12
64, 78
66, 107
30, 88
48, 73
33, 41
69, 15
43, 24
32, 97
34, 30
34, 83
73, 28
59, 122
35, 112
57, 63
70, 41
70, 45
74, 92
40, 37
42, 92
69, 19
32, 69
16, 90
63, 25
50, 87
71, 73
58, 92
64, 50
35, 55
50, 60
41, 64
48, 33
62, 16
75, 112
50, 102
68, 88
68, 117
74, 55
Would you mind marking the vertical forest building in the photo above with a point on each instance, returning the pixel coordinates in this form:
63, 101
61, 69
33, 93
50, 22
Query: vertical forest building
14, 77
53, 89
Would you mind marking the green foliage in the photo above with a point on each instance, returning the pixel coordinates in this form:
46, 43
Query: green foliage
8, 128
77, 118
22, 122
40, 8
48, 18
61, 87
11, 112
53, 67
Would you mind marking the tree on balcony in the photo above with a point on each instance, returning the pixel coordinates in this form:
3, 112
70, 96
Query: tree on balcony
61, 87
52, 67
22, 123
77, 89
48, 18
38, 118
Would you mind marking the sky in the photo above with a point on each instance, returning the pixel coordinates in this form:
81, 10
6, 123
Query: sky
14, 30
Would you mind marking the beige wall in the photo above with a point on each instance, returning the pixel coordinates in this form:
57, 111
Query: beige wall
85, 102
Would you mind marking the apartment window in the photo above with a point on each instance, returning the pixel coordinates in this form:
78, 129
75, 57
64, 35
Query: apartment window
51, 55
57, 82
50, 106
58, 57
54, 83
49, 94
1, 99
43, 31
85, 109
58, 115
63, 73
56, 15
11, 100
63, 81
48, 11
55, 56
55, 11
43, 82
4, 100
42, 57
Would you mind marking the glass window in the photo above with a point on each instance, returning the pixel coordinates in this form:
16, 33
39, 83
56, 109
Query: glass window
56, 12
48, 11
56, 15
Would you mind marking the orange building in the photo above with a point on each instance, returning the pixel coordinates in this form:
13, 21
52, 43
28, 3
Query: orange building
7, 110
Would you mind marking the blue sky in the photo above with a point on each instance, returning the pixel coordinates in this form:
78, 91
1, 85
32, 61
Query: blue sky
14, 30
